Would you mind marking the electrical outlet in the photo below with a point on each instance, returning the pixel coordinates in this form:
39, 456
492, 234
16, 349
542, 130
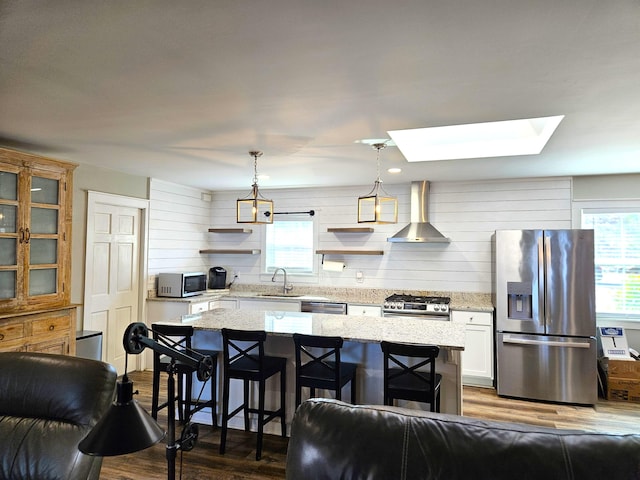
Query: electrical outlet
359, 277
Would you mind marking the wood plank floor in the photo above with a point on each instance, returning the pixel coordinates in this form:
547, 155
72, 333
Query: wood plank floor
204, 461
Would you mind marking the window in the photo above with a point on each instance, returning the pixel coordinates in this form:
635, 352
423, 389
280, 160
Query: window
289, 245
617, 259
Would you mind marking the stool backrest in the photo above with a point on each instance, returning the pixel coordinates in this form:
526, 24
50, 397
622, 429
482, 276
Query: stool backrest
406, 362
176, 336
243, 346
310, 357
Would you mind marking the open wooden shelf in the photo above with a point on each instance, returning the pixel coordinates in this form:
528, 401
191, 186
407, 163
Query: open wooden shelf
350, 229
232, 252
230, 230
350, 252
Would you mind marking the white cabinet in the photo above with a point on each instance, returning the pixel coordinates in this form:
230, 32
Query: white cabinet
163, 310
477, 357
231, 303
364, 309
272, 305
199, 307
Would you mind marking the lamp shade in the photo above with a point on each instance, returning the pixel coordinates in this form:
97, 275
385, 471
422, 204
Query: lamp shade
125, 428
377, 206
254, 208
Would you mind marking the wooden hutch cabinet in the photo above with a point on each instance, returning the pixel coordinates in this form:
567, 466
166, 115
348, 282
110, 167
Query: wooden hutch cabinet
35, 254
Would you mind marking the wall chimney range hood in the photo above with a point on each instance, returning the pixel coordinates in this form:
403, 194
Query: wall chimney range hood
419, 230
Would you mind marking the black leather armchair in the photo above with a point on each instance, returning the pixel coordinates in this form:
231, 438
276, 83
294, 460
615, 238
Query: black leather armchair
331, 439
48, 404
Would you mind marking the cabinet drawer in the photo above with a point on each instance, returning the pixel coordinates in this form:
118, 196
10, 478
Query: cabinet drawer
10, 332
199, 307
369, 310
472, 318
50, 325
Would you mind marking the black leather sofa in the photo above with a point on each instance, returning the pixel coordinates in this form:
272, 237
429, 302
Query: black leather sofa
335, 440
48, 404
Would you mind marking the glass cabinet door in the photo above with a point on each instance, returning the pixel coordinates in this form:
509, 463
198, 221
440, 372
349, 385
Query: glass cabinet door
43, 236
8, 233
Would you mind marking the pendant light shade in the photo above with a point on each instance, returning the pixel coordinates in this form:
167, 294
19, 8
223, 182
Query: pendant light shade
254, 208
377, 206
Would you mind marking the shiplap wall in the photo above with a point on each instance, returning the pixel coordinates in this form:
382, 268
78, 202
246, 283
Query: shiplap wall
467, 212
178, 223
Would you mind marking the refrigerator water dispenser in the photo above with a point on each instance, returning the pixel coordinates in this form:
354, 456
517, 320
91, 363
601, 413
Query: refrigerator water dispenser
520, 300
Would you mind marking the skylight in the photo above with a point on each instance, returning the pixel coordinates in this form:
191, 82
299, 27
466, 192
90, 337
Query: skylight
476, 140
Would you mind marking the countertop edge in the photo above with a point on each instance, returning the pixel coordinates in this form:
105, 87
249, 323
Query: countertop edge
473, 302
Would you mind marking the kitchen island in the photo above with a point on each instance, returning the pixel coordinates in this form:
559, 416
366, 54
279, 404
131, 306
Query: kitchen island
362, 335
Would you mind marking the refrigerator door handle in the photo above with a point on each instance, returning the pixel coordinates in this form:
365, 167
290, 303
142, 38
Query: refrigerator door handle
541, 285
547, 269
549, 343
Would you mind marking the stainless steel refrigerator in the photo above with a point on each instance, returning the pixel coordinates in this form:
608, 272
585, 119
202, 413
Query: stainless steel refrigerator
544, 294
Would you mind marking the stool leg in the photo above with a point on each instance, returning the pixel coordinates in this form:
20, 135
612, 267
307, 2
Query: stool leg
214, 400
353, 390
187, 397
261, 395
155, 393
246, 405
298, 394
225, 413
283, 387
179, 395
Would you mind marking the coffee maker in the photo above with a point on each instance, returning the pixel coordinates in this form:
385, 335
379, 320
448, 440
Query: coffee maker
217, 278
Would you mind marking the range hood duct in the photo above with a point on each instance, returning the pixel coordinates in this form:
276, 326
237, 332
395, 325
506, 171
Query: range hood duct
419, 230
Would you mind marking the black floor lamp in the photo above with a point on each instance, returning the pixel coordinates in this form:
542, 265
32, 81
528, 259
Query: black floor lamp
127, 427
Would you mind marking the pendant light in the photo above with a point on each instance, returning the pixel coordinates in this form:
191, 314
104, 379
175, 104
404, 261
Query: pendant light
377, 206
254, 208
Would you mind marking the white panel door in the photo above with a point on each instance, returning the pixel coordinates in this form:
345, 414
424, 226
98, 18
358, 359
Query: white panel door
112, 275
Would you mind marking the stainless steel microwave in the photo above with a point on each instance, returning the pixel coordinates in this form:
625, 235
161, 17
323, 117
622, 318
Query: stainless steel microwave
185, 284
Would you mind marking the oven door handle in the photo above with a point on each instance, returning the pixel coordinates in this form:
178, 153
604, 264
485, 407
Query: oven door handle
418, 316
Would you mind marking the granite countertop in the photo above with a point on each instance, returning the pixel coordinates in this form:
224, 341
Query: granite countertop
207, 296
356, 328
479, 302
476, 302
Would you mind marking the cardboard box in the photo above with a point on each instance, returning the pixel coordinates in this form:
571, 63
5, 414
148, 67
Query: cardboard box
623, 380
623, 390
629, 369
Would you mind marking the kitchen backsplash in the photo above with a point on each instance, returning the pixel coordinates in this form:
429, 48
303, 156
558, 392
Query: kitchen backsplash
467, 212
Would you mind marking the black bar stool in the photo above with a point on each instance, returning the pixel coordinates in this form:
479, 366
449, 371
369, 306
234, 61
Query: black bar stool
318, 365
179, 337
411, 381
244, 359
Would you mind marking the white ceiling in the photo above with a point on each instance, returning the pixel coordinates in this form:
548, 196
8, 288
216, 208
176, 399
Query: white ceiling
182, 90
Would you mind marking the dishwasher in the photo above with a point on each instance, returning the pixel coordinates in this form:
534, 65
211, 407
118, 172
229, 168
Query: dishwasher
323, 307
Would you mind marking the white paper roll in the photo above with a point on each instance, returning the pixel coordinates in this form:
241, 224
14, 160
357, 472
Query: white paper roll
333, 266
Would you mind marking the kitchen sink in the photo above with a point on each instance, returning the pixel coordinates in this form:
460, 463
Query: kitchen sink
292, 295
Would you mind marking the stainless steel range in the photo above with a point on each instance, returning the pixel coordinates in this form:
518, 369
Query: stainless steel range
403, 305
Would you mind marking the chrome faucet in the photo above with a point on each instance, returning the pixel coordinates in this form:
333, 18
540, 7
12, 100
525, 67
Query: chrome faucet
285, 287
